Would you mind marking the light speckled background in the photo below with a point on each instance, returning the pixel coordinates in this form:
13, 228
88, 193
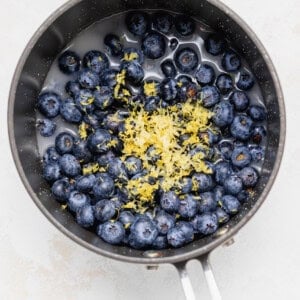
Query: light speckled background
38, 262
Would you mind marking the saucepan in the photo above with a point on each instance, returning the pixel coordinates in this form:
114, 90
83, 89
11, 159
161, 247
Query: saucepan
57, 31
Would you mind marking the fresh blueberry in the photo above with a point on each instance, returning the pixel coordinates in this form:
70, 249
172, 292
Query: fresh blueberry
96, 61
224, 83
241, 127
206, 223
72, 88
185, 185
69, 165
257, 153
77, 200
85, 216
85, 183
113, 44
205, 74
46, 127
241, 156
143, 232
111, 232
249, 176
84, 101
64, 143
181, 234
98, 141
49, 104
168, 89
104, 186
70, 112
230, 204
225, 147
259, 132
243, 196
169, 202
103, 97
51, 155
137, 23
207, 202
210, 96
153, 45
222, 170
183, 80
257, 113
113, 122
163, 22
173, 44
116, 169
184, 25
61, 189
168, 68
108, 78
218, 193
69, 62
120, 196
105, 158
133, 165
231, 61
104, 210
223, 113
233, 185
240, 100
202, 182
133, 54
188, 206
222, 216
186, 59
245, 81
52, 171
126, 217
215, 44
164, 222
88, 79
81, 151
152, 103
134, 72
161, 242
187, 90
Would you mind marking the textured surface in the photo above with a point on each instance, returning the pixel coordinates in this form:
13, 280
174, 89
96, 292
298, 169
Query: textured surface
36, 261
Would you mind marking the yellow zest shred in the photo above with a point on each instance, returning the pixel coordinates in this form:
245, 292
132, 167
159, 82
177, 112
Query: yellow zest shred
91, 168
82, 130
150, 88
130, 56
87, 101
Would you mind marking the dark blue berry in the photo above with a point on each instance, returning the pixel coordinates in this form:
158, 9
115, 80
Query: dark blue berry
81, 151
233, 185
241, 127
168, 89
69, 62
133, 165
134, 72
152, 103
168, 68
61, 189
108, 78
257, 153
113, 44
96, 61
188, 206
98, 141
186, 59
187, 90
69, 165
104, 210
222, 216
52, 171
259, 132
111, 232
126, 217
245, 81
218, 193
248, 176
163, 22
184, 25
49, 104
46, 127
88, 79
104, 159
231, 61
206, 223
51, 155
205, 74
202, 182
181, 234
160, 242
209, 96
64, 143
240, 100
84, 100
77, 200
85, 216
215, 44
224, 83
72, 88
207, 202
103, 97
225, 147
116, 169
243, 196
185, 185
223, 113
169, 202
137, 23
241, 156
164, 222
257, 113
85, 183
70, 112
133, 54
104, 186
173, 44
153, 45
230, 204
222, 170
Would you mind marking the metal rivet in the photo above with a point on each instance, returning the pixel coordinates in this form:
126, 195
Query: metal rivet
152, 267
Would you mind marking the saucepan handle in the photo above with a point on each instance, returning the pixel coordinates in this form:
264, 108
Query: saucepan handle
209, 276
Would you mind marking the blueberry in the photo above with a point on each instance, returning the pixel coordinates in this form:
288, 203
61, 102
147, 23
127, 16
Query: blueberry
164, 222
206, 223
152, 103
168, 89
104, 159
113, 122
85, 216
88, 79
103, 97
69, 165
98, 141
225, 147
202, 182
61, 189
64, 143
104, 210
49, 104
184, 25
96, 61
77, 200
137, 23
168, 68
243, 196
218, 193
215, 44
116, 169
245, 81
51, 155
133, 54
51, 171
259, 132
104, 186
153, 45
241, 156
186, 59
183, 80
205, 74
248, 176
233, 185
222, 216
70, 112
185, 185
187, 91
188, 206
181, 234
111, 232
210, 96
207, 202
257, 153
81, 151
120, 197
224, 83
108, 78
143, 232
231, 61
133, 165
240, 100
169, 202
84, 100
160, 242
46, 127
230, 204
72, 88
134, 72
222, 171
85, 183
257, 113
241, 127
163, 22
69, 62
173, 44
126, 217
113, 44
223, 113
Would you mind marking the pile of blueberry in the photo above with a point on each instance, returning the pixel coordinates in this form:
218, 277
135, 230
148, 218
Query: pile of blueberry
85, 170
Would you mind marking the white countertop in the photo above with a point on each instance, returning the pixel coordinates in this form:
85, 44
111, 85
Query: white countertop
39, 262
